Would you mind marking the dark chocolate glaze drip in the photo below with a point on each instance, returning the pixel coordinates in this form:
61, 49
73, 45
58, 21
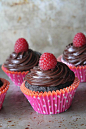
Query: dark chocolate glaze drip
1, 83
75, 55
22, 61
60, 75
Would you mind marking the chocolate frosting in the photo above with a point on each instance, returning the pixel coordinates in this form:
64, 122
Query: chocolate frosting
61, 74
22, 61
75, 55
1, 83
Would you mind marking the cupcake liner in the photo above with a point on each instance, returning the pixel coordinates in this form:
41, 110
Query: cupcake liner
80, 71
51, 102
3, 91
16, 77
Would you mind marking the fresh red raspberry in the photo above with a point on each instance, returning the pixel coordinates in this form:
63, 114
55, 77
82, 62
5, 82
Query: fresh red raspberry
47, 61
79, 40
21, 45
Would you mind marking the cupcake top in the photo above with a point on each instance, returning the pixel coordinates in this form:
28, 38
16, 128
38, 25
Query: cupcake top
75, 53
23, 58
1, 83
50, 73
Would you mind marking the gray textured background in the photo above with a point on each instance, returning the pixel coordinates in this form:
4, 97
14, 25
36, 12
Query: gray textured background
48, 25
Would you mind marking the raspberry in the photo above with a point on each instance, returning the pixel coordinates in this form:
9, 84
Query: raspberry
21, 45
79, 40
47, 61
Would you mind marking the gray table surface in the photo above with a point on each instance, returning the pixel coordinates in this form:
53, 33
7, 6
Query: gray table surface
17, 113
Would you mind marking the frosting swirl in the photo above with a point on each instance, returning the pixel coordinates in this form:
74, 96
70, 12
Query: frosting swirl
22, 61
61, 74
75, 55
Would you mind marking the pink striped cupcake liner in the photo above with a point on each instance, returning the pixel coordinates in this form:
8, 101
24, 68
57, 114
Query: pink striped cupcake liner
16, 77
3, 91
79, 71
51, 102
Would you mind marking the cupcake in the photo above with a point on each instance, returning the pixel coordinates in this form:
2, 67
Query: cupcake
4, 85
20, 61
50, 86
74, 55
